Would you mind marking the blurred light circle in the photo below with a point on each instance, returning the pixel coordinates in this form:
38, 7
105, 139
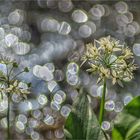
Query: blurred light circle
49, 24
74, 94
35, 135
20, 126
65, 111
93, 90
45, 73
4, 122
37, 114
21, 48
109, 105
52, 3
92, 26
50, 66
16, 31
42, 99
107, 10
29, 130
105, 125
22, 118
51, 85
72, 79
36, 70
33, 123
2, 33
65, 5
41, 3
3, 68
79, 16
129, 30
62, 94
29, 105
47, 110
101, 8
73, 68
49, 120
11, 40
121, 7
57, 98
85, 31
118, 106
127, 99
136, 49
120, 21
136, 26
14, 17
55, 106
25, 36
100, 91
50, 134
59, 133
96, 13
127, 17
65, 28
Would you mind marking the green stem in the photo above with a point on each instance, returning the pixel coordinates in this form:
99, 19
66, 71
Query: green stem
101, 115
8, 110
8, 118
106, 137
17, 75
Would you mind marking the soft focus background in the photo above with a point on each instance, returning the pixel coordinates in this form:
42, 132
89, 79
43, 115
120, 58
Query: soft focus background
49, 37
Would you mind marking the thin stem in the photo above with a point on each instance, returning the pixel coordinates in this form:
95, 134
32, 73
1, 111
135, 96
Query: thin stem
101, 115
106, 137
8, 118
17, 74
7, 70
8, 111
10, 71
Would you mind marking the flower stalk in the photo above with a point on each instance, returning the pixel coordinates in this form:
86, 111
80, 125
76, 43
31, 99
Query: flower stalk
101, 114
8, 118
8, 109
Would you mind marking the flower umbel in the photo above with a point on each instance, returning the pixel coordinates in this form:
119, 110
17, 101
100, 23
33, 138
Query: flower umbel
109, 59
9, 85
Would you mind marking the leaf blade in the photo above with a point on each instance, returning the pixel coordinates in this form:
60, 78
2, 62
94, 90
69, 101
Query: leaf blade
82, 122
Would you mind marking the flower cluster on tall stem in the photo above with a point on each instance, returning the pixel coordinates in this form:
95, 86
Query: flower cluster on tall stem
109, 60
10, 85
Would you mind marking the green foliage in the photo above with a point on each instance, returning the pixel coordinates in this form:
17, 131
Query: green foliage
29, 84
26, 69
15, 65
82, 123
127, 123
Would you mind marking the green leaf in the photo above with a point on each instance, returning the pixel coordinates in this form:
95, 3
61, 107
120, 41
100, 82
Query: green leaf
127, 123
67, 134
29, 84
82, 123
26, 69
15, 65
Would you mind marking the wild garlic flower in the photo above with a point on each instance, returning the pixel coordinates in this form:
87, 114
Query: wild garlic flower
109, 59
9, 84
6, 60
14, 88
